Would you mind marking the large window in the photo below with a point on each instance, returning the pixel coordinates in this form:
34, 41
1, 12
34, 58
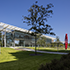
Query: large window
48, 40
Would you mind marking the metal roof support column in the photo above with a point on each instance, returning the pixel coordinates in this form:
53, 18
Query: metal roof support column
5, 39
2, 39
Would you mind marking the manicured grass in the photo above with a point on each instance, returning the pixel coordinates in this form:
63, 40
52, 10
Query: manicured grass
5, 55
11, 59
52, 49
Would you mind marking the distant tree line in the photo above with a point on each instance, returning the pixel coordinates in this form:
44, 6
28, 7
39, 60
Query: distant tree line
42, 42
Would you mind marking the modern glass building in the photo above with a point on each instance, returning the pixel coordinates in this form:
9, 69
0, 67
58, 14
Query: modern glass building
15, 36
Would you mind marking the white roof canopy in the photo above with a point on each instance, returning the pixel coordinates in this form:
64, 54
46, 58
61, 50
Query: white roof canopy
8, 28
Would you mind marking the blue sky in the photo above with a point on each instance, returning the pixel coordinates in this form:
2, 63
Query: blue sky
11, 12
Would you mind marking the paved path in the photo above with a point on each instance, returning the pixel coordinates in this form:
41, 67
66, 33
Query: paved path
52, 52
26, 49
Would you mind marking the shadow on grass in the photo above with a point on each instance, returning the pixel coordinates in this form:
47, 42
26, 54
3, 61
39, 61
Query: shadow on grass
26, 62
68, 51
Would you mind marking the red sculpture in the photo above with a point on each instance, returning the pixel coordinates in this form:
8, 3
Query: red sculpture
66, 41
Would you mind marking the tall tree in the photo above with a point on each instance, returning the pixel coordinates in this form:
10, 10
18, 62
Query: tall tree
48, 44
57, 41
41, 41
37, 20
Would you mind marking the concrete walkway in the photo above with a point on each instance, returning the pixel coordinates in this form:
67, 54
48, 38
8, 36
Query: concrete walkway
52, 52
26, 49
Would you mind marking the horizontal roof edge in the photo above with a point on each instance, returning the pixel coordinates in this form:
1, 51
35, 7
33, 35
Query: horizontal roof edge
20, 29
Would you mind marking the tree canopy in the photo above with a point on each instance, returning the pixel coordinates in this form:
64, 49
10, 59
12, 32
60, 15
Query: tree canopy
37, 19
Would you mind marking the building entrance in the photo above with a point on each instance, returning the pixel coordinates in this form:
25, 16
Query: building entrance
21, 42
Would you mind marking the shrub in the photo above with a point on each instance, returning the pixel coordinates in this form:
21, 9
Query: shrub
62, 64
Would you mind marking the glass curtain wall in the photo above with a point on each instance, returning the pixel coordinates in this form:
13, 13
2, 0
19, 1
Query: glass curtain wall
9, 39
48, 40
23, 38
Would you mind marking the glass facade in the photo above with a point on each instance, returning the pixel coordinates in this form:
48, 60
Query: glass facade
24, 38
9, 39
48, 40
21, 38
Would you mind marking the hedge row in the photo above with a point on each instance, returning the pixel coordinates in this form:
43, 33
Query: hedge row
62, 64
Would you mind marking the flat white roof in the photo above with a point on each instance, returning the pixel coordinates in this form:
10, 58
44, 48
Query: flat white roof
49, 37
8, 28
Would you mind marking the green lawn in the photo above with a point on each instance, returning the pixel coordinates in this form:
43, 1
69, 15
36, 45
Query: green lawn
52, 49
11, 59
